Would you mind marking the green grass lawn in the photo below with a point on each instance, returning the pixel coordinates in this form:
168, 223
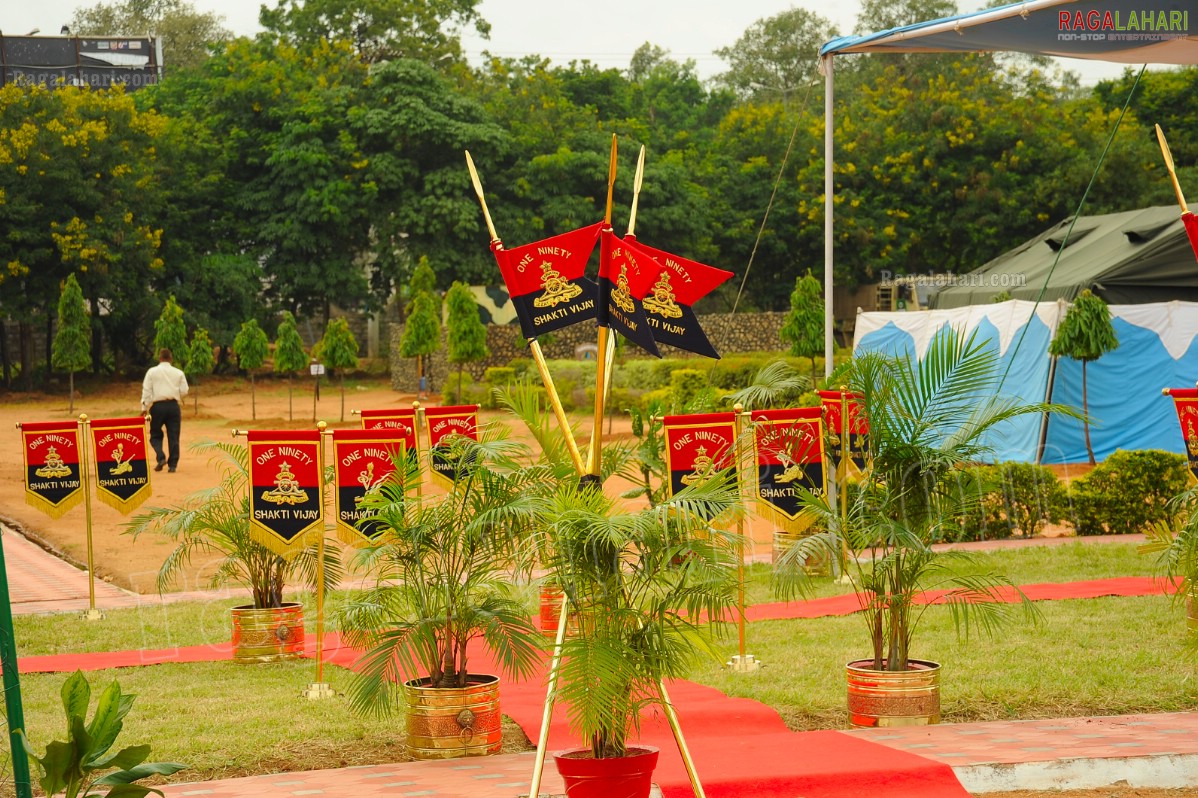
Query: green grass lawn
1085, 657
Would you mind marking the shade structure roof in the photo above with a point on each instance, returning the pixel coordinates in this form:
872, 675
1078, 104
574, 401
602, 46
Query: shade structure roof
1126, 31
1126, 258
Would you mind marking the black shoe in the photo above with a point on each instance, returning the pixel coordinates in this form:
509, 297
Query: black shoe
171, 470
160, 466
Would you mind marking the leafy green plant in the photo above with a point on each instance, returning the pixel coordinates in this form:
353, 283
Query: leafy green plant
1127, 493
200, 362
1012, 497
290, 356
216, 521
776, 384
251, 347
467, 338
72, 341
641, 584
446, 568
77, 766
170, 332
926, 420
803, 327
338, 349
1085, 334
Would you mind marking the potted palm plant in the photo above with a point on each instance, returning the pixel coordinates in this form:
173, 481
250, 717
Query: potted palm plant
448, 567
216, 521
642, 584
929, 420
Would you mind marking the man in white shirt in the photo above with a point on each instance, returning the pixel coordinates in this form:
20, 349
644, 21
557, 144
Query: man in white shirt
162, 392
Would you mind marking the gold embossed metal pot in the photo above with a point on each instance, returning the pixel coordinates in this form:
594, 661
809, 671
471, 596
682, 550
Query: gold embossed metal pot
893, 698
268, 634
450, 722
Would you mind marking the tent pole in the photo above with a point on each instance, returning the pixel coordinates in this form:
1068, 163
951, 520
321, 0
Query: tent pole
1052, 376
829, 348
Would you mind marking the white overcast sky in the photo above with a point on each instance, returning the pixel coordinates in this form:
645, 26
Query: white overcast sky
606, 32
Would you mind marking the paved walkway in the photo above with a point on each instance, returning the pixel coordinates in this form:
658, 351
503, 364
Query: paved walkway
1159, 750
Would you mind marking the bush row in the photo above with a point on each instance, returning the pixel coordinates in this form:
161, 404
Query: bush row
1125, 494
678, 384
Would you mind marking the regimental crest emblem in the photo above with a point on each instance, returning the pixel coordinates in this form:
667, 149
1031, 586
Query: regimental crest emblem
1191, 438
704, 468
286, 490
661, 301
622, 295
557, 288
54, 467
120, 465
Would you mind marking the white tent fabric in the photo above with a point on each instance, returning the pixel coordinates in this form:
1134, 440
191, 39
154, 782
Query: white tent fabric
1158, 348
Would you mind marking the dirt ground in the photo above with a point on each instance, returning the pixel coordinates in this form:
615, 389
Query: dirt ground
224, 405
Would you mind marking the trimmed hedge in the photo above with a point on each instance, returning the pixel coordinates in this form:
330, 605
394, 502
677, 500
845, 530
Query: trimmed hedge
1127, 492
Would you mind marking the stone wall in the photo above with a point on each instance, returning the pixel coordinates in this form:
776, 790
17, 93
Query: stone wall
743, 332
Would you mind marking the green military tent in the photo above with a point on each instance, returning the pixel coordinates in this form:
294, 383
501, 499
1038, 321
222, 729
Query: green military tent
1128, 258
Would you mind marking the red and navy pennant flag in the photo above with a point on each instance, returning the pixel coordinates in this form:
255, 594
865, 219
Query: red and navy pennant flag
790, 454
122, 469
444, 422
1191, 223
546, 283
400, 419
363, 459
1185, 400
698, 446
626, 276
858, 427
680, 284
286, 494
53, 478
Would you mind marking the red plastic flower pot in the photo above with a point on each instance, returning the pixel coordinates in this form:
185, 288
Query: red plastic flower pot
622, 777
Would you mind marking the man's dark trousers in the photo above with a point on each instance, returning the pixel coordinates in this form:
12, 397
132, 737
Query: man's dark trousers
169, 415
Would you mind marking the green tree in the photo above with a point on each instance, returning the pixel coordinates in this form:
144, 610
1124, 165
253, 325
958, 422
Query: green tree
72, 342
466, 333
1085, 334
170, 332
251, 347
422, 332
423, 278
803, 327
778, 53
379, 30
186, 34
200, 362
290, 356
338, 349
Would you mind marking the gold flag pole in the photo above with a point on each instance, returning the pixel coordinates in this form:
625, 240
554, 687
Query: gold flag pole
843, 483
92, 614
534, 345
319, 689
547, 716
611, 335
1181, 200
742, 662
595, 457
418, 422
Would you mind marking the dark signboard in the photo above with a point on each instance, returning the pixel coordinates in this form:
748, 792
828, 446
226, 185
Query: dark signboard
98, 62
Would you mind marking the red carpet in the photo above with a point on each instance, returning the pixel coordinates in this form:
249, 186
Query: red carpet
740, 747
848, 604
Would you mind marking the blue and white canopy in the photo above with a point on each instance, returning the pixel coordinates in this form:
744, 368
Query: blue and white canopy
1125, 31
